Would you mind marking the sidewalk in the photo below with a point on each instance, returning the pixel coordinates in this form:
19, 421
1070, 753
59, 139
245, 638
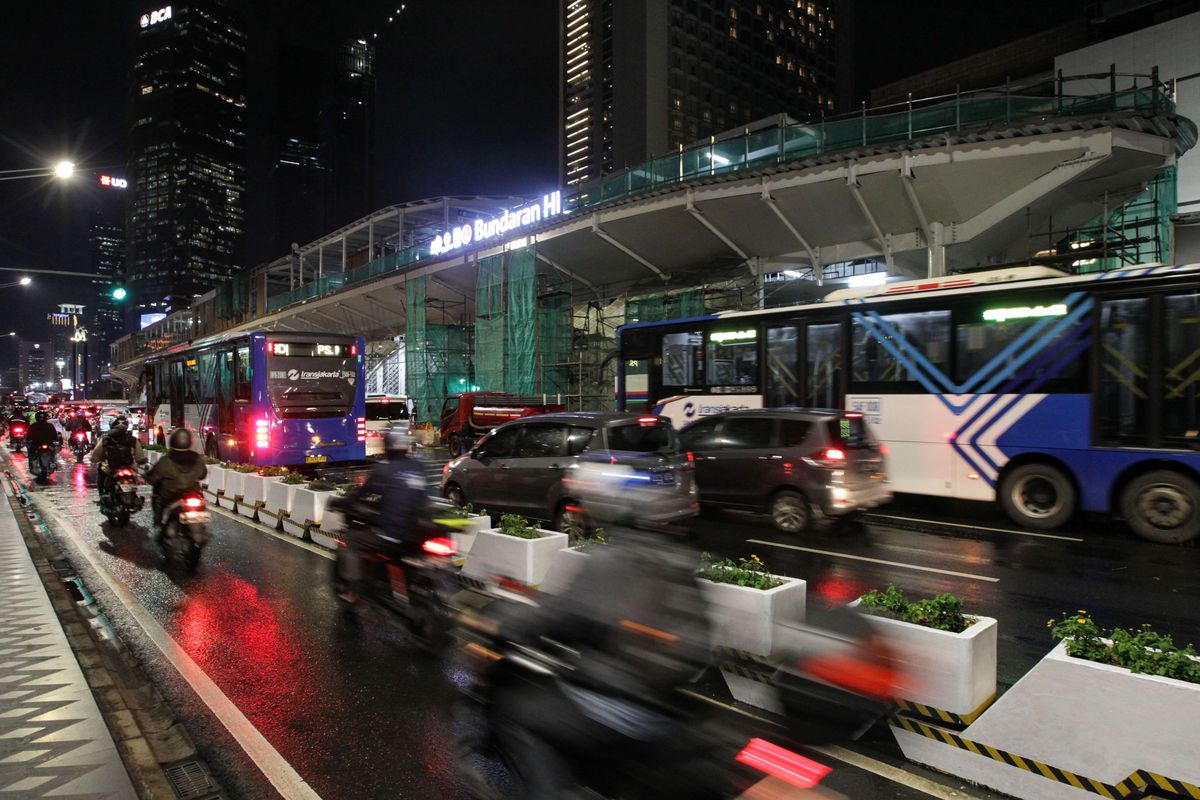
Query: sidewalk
53, 739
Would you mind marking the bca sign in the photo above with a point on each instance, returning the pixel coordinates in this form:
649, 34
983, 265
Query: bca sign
154, 17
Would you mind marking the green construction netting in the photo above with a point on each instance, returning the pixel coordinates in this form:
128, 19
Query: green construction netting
520, 340
416, 372
435, 357
659, 307
646, 309
490, 334
554, 343
689, 303
1138, 232
233, 297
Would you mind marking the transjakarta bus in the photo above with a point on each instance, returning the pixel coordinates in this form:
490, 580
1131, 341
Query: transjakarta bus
1047, 392
263, 398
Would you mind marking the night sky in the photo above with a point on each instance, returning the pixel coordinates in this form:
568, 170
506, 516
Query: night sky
466, 96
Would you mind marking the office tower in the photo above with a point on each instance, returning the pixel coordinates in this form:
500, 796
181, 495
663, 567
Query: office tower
186, 166
640, 78
35, 365
347, 133
106, 240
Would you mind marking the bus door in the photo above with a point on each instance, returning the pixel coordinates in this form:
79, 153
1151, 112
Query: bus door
804, 364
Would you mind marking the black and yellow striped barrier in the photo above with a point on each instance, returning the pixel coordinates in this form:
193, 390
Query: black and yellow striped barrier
1140, 784
943, 717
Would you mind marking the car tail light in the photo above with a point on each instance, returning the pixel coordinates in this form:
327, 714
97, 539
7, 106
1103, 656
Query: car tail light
778, 762
691, 462
830, 458
193, 502
445, 469
440, 546
262, 433
883, 450
361, 427
647, 420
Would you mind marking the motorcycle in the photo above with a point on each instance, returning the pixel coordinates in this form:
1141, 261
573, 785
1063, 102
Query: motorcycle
121, 499
413, 589
16, 437
183, 529
43, 461
80, 445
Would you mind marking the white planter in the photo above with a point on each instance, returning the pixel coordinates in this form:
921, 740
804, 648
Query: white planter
954, 672
307, 509
279, 500
322, 538
426, 437
1095, 720
464, 537
567, 564
525, 560
749, 620
152, 457
215, 481
254, 494
233, 488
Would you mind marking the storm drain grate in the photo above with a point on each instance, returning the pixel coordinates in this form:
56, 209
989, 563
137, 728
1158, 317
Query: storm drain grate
190, 780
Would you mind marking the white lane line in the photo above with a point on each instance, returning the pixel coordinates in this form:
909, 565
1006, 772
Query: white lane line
876, 561
895, 774
977, 527
274, 766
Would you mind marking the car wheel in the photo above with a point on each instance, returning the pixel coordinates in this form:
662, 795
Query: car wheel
454, 494
571, 522
454, 445
1162, 506
1038, 496
790, 512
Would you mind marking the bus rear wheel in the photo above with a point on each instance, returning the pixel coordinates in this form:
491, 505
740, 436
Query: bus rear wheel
1038, 496
1162, 506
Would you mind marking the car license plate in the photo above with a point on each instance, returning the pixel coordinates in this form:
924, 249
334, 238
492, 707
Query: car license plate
662, 478
194, 517
315, 459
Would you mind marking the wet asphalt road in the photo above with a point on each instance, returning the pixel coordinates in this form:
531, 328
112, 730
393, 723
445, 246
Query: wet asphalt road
361, 714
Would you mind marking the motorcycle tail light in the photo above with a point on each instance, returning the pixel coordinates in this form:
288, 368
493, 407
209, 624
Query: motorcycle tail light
193, 503
440, 546
124, 472
17, 429
81, 436
778, 762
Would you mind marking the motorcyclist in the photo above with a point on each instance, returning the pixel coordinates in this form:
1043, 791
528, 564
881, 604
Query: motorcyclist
42, 431
78, 422
117, 448
398, 488
177, 472
637, 624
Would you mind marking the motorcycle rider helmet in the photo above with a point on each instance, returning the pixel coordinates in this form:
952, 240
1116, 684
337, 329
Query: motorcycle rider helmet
119, 424
398, 440
180, 439
42, 416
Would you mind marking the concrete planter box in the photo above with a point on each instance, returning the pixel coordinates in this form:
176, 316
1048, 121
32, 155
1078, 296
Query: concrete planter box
278, 502
526, 560
567, 565
955, 672
233, 488
426, 437
749, 620
322, 538
1095, 720
152, 457
464, 537
307, 509
215, 481
254, 494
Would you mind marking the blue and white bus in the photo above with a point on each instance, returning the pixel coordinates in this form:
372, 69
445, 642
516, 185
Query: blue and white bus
263, 398
1047, 392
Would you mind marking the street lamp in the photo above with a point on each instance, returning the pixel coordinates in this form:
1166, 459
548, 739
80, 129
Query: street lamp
64, 169
25, 280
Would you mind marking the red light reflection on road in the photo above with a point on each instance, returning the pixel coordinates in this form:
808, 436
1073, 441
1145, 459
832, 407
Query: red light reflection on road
838, 589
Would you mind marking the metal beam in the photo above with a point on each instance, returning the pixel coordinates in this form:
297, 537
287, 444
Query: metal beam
906, 181
603, 234
884, 245
573, 276
399, 312
787, 223
699, 215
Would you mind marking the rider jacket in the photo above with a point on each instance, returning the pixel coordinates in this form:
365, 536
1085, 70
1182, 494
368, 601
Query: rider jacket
119, 449
41, 433
78, 423
400, 486
177, 472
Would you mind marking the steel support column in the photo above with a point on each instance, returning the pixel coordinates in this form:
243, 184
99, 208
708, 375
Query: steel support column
813, 257
885, 245
713, 229
596, 229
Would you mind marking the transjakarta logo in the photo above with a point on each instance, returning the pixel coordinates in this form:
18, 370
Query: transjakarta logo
155, 17
315, 375
509, 222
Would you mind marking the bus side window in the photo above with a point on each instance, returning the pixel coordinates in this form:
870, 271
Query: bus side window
241, 374
225, 388
823, 365
1181, 369
1123, 399
682, 358
783, 353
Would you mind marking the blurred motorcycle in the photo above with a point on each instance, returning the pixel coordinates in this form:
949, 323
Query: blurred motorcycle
43, 461
16, 436
120, 500
183, 529
80, 445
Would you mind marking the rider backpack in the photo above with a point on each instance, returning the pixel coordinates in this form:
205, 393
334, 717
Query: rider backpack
118, 450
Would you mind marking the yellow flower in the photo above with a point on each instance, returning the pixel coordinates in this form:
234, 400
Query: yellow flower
1081, 621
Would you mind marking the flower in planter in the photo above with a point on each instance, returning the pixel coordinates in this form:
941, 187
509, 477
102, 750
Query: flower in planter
1144, 650
293, 479
943, 612
321, 485
518, 526
273, 472
464, 512
749, 572
598, 538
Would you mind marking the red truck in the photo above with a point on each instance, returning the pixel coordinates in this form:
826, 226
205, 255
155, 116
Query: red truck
469, 415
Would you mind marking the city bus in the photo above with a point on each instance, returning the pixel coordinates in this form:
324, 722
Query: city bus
1047, 392
262, 398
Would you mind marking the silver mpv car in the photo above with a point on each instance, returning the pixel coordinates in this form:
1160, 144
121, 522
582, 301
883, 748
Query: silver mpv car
520, 466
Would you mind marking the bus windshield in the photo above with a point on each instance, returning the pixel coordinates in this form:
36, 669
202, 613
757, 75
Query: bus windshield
307, 380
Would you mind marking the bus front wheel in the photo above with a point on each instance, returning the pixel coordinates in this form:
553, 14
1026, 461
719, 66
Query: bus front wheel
1038, 496
1162, 506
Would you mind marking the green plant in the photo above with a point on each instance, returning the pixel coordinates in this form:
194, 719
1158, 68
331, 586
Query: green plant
293, 479
1144, 650
245, 469
750, 572
210, 461
597, 538
154, 448
346, 488
273, 472
464, 512
321, 485
516, 525
943, 612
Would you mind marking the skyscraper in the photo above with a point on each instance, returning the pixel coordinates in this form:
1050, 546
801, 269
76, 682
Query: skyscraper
187, 168
35, 365
106, 240
639, 78
347, 133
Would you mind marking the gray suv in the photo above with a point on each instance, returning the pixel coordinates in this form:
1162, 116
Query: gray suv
791, 463
519, 467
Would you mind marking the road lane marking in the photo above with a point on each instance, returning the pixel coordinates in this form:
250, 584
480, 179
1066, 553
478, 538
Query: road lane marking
901, 564
270, 762
978, 527
892, 773
311, 547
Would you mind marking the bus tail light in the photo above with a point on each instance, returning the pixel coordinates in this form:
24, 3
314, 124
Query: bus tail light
361, 427
262, 433
354, 349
